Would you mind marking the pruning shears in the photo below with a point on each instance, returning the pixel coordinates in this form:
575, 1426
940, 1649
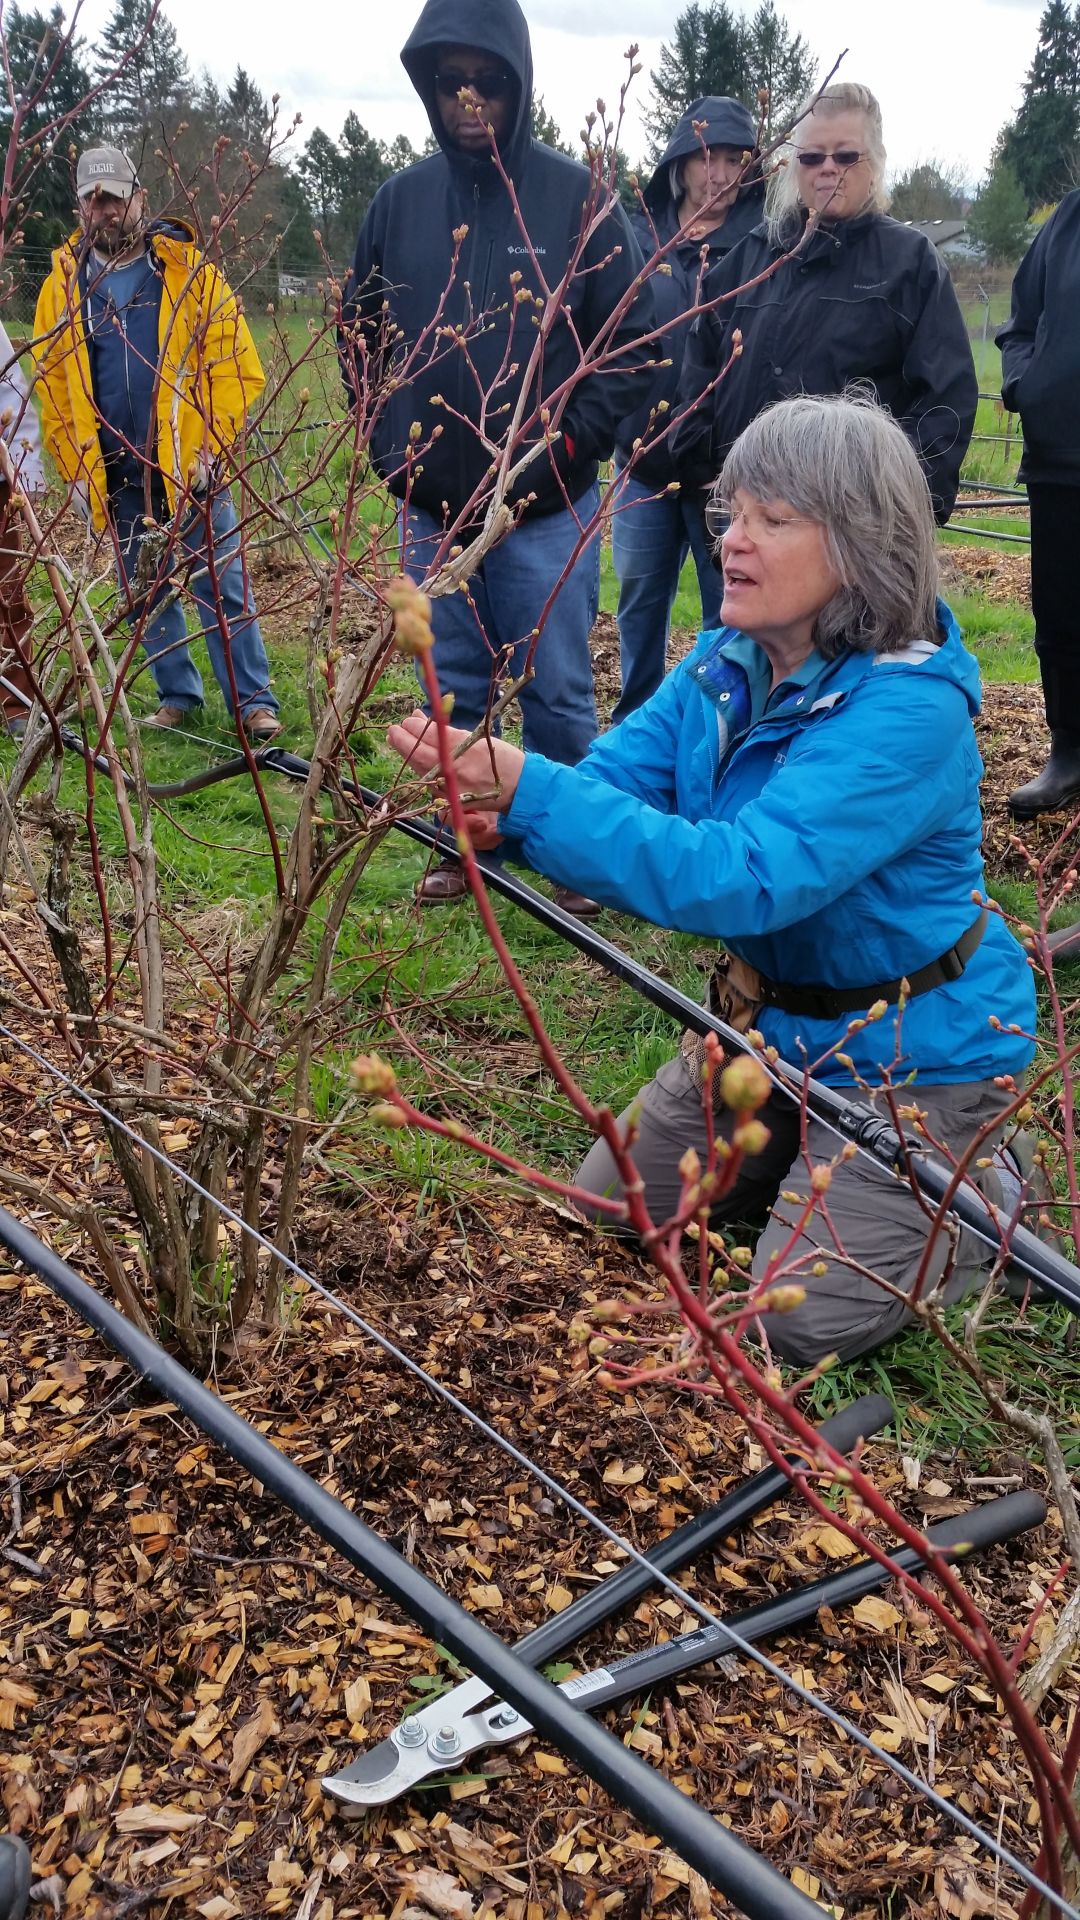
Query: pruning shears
440, 1735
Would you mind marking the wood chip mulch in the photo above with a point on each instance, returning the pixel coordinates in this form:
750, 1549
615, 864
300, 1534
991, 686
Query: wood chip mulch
181, 1660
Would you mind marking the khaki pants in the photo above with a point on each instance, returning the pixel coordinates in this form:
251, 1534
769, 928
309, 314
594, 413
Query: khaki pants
876, 1219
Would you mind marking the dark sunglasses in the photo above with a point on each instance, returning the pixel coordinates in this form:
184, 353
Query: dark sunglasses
844, 157
493, 83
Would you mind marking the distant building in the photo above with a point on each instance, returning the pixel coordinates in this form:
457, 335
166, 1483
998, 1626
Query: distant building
949, 236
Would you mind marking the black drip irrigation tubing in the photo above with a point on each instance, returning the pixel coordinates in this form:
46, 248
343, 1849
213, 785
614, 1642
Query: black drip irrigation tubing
732, 1637
758, 1889
896, 1153
850, 1118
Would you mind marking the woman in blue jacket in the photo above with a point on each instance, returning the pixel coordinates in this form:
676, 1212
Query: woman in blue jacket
703, 198
805, 788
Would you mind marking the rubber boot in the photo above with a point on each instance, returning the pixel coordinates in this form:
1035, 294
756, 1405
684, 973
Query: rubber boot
1057, 786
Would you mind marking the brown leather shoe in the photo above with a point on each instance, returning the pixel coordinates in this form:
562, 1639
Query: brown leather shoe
578, 904
166, 717
1065, 943
442, 883
262, 726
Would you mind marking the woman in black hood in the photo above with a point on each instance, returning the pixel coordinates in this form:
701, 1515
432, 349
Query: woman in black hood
702, 199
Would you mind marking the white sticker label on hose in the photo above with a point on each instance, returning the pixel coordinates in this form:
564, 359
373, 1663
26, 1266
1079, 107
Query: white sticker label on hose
586, 1683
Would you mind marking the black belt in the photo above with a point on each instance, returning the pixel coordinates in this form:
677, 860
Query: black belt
827, 1003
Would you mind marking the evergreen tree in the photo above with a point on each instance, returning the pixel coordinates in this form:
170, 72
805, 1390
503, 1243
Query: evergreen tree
1042, 146
707, 55
785, 67
246, 113
999, 219
210, 101
545, 128
932, 189
298, 251
55, 126
146, 96
400, 154
715, 50
320, 169
362, 168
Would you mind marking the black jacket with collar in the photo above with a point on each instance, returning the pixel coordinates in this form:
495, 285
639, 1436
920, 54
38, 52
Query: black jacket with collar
676, 287
1040, 349
866, 299
468, 332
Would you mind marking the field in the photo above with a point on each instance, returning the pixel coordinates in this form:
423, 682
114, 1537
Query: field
187, 1658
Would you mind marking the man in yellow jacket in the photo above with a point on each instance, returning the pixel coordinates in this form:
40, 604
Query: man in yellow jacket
146, 369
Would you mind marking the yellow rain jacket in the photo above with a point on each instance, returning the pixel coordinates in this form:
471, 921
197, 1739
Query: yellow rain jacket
208, 368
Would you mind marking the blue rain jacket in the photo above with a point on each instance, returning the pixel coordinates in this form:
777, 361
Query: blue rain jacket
835, 841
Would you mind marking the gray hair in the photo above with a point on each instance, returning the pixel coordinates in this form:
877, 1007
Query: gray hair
844, 463
782, 201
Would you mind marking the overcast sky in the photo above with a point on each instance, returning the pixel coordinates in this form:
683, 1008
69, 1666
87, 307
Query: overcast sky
947, 72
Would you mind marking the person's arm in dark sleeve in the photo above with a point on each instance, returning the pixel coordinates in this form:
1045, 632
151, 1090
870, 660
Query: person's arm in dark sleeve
362, 329
708, 348
601, 401
943, 390
1017, 337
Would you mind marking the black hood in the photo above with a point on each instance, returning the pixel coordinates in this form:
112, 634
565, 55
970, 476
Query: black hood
717, 120
500, 28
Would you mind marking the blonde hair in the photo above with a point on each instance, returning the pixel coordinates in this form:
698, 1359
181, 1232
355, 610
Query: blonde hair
782, 201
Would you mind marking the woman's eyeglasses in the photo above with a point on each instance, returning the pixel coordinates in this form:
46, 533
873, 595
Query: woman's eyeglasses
494, 83
844, 157
760, 522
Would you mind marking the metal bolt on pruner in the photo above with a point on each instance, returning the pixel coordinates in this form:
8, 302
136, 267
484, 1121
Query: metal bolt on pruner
410, 1732
445, 1742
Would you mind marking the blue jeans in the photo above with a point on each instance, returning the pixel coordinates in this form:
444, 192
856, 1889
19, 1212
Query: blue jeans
651, 534
482, 637
164, 629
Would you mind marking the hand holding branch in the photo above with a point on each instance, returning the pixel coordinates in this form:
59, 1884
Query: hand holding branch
487, 772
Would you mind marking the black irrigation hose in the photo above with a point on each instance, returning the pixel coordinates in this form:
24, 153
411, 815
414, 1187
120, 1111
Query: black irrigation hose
733, 1869
1039, 1262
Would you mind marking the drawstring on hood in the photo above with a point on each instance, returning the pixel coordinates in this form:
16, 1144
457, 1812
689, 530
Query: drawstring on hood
497, 27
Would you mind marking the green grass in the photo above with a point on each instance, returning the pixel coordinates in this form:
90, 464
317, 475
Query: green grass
1000, 634
481, 1067
1035, 1363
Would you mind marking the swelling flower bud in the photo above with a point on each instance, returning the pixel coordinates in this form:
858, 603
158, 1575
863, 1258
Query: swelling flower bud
752, 1137
387, 1116
690, 1167
370, 1074
412, 618
744, 1085
782, 1299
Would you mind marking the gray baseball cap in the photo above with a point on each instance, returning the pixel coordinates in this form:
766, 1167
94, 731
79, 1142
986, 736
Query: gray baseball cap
107, 169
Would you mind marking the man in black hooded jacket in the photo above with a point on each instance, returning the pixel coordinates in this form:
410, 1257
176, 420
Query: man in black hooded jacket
471, 63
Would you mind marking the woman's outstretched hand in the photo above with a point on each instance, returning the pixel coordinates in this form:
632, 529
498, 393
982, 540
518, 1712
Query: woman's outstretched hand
488, 770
